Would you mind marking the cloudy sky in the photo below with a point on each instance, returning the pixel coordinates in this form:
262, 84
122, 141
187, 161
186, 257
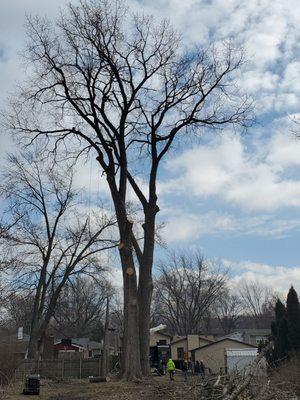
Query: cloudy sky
234, 196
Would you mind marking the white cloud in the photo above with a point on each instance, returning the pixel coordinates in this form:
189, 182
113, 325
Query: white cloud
291, 80
188, 227
254, 81
181, 226
228, 170
278, 277
284, 151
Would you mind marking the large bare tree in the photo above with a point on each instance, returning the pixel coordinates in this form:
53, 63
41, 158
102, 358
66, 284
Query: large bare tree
185, 291
52, 240
125, 87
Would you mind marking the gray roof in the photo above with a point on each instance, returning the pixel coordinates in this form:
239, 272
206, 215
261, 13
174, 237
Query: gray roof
256, 331
81, 341
95, 345
241, 333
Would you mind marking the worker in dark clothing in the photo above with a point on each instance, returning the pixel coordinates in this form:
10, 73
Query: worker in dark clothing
191, 366
197, 368
185, 368
202, 369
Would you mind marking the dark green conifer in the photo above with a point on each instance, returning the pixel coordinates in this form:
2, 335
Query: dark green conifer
282, 342
293, 319
279, 335
280, 310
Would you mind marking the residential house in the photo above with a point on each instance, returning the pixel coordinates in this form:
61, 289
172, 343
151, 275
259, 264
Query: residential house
159, 338
82, 347
67, 348
182, 347
251, 336
213, 354
95, 348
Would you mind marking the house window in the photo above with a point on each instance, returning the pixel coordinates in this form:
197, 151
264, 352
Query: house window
260, 339
162, 343
180, 353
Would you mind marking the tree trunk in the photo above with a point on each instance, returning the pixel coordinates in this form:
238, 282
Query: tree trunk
131, 368
45, 320
131, 363
144, 298
37, 312
32, 352
145, 292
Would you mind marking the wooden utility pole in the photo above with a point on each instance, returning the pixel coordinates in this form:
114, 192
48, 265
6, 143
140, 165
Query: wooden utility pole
105, 341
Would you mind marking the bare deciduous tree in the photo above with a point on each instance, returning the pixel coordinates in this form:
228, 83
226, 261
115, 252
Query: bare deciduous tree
80, 309
17, 309
123, 86
258, 300
52, 240
186, 289
228, 309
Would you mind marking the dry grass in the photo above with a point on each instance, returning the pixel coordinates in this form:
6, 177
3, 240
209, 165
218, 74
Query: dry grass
83, 390
155, 389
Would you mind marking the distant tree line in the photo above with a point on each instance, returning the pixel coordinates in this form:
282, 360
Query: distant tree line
193, 295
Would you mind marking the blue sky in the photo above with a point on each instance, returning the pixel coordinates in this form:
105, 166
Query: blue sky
234, 196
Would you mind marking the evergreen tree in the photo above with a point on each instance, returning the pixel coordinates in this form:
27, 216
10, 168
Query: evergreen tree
280, 313
282, 342
280, 310
293, 319
279, 335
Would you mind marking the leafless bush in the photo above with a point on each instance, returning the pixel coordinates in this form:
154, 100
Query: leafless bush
8, 366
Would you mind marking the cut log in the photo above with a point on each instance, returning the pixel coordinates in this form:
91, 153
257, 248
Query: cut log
99, 379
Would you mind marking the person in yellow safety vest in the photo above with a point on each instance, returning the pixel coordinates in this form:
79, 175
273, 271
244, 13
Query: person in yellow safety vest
171, 368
